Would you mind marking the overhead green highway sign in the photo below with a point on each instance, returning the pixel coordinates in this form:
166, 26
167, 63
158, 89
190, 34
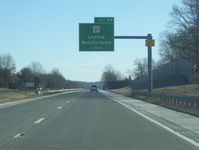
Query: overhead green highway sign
98, 36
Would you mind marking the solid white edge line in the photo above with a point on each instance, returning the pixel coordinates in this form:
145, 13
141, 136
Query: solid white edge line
38, 121
159, 124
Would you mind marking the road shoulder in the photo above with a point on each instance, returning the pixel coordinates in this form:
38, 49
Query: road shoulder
181, 124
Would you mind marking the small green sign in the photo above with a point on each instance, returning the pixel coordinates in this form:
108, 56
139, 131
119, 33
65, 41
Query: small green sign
109, 20
96, 37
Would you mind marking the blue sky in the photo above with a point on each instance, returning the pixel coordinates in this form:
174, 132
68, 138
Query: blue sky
47, 31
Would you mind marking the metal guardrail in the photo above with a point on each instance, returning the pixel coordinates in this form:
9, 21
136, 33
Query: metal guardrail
192, 99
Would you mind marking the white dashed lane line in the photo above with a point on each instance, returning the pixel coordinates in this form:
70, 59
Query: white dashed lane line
39, 121
19, 135
36, 122
59, 107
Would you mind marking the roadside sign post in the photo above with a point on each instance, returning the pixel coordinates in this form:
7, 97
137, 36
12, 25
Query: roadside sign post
150, 72
29, 85
99, 36
149, 44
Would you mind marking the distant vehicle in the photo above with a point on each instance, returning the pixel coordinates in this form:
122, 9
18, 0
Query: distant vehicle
94, 88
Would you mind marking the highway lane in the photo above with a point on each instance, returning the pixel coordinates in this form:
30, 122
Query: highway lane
81, 121
22, 117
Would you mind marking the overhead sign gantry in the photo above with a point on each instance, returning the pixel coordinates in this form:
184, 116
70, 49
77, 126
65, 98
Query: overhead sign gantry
99, 36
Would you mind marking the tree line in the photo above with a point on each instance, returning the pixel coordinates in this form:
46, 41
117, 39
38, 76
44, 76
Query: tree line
179, 41
35, 72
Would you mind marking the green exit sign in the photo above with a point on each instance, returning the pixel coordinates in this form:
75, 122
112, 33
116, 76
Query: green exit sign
98, 36
109, 20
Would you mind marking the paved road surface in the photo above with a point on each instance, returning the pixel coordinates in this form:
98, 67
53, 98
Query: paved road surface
81, 121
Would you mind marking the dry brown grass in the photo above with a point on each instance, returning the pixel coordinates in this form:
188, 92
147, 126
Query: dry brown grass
15, 96
9, 97
189, 90
123, 91
4, 89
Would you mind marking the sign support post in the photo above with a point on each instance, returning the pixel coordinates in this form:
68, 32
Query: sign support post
150, 72
149, 44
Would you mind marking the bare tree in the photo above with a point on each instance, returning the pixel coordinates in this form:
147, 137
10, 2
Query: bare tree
7, 62
183, 40
110, 74
7, 70
112, 78
57, 79
26, 75
37, 68
141, 67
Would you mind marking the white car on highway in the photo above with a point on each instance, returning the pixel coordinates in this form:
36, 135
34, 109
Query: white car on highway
94, 88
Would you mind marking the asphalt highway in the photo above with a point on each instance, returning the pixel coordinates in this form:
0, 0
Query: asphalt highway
81, 120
